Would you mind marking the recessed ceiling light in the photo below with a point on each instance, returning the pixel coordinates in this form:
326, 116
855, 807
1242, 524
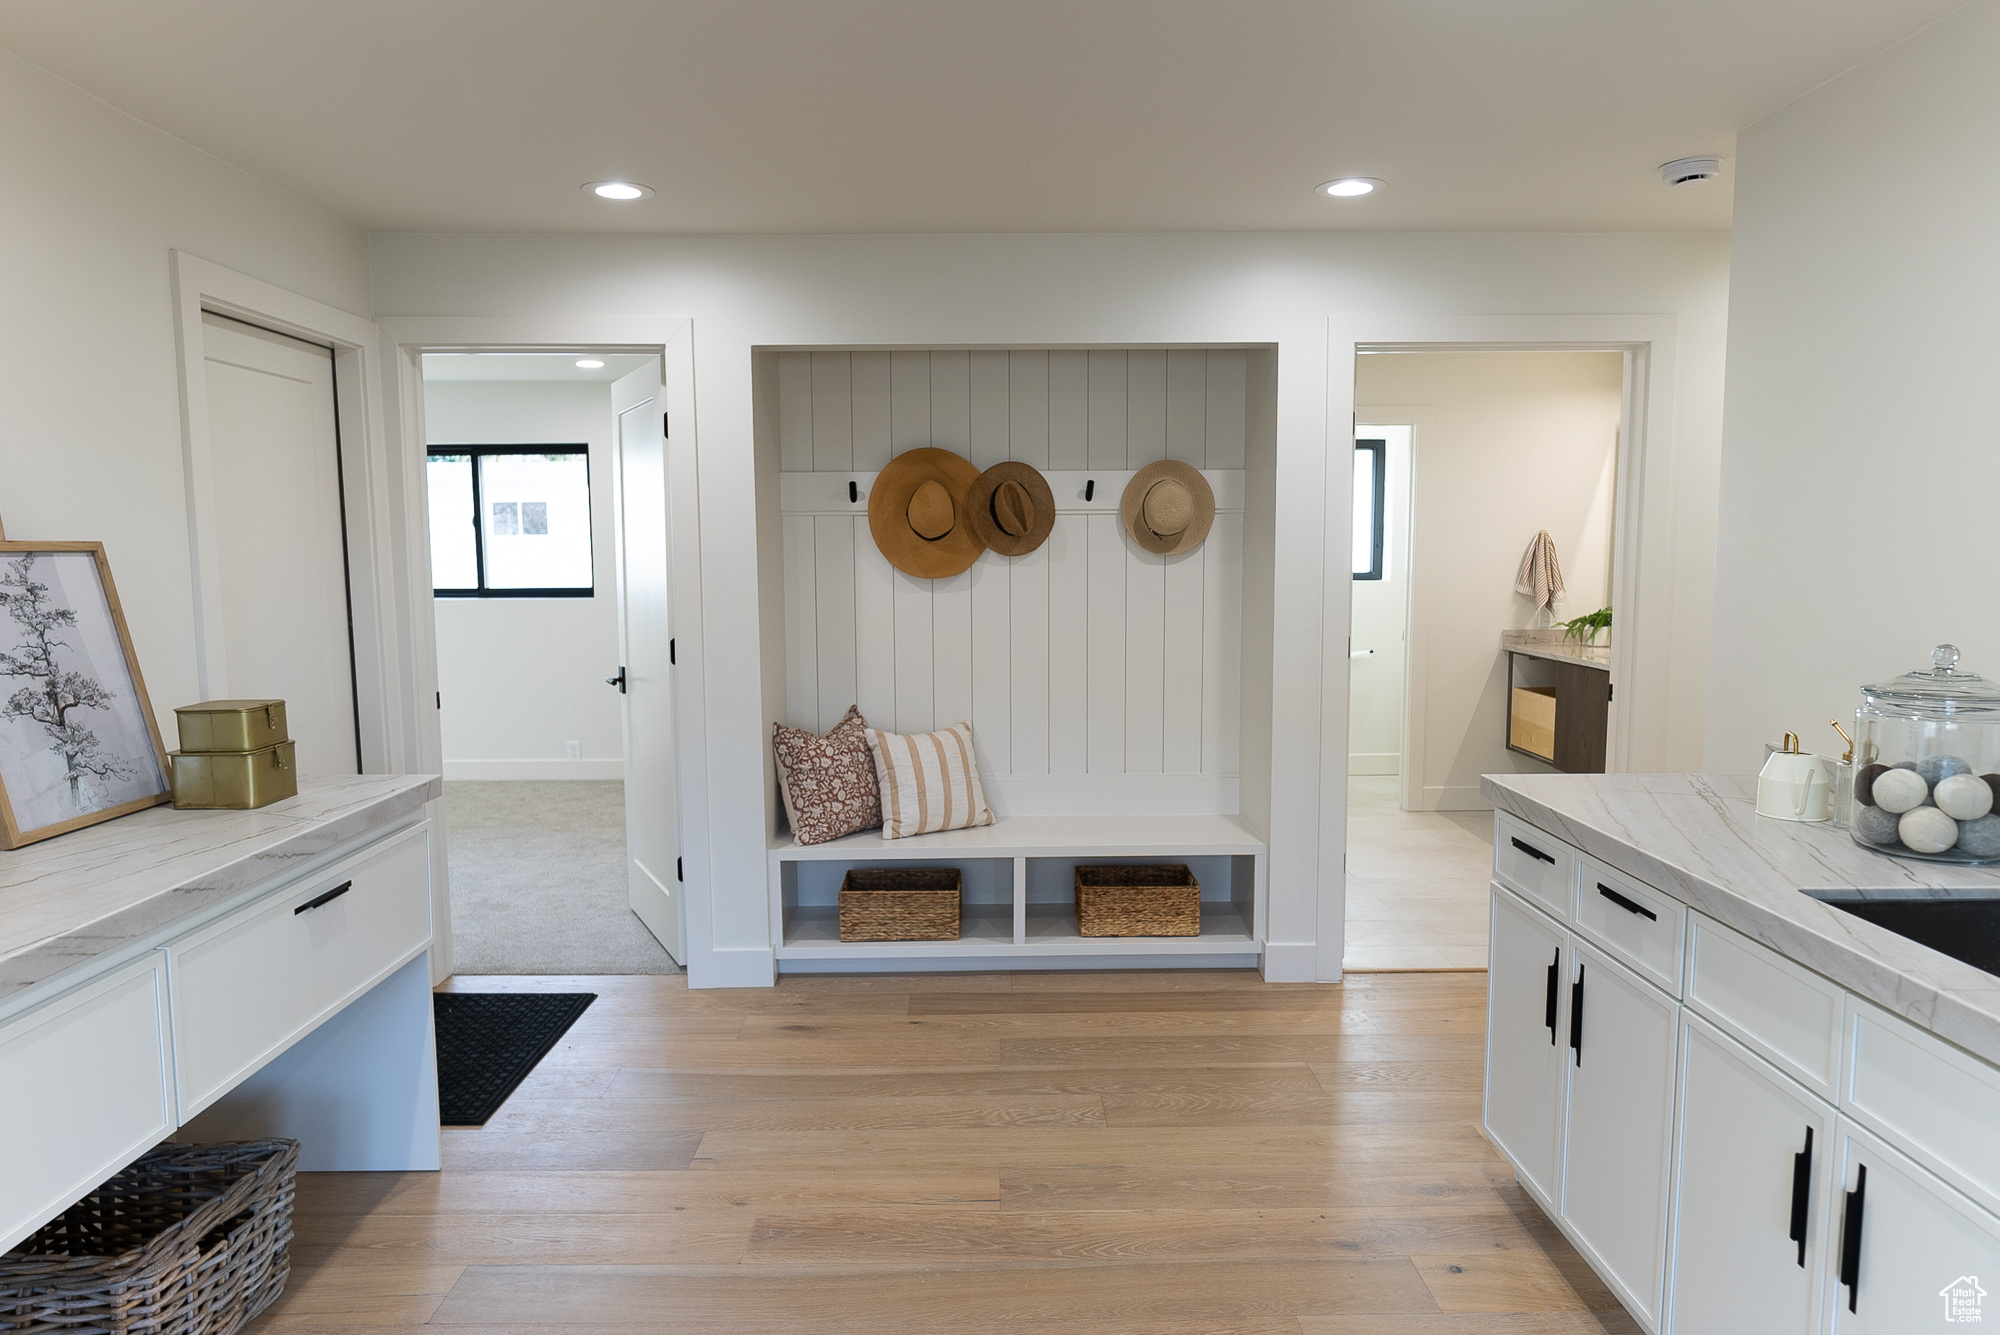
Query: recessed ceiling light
590, 364
1348, 187
619, 190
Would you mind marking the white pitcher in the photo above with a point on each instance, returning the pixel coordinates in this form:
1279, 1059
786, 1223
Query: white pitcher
1794, 785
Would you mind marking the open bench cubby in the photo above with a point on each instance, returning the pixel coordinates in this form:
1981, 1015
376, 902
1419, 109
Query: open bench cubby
1018, 894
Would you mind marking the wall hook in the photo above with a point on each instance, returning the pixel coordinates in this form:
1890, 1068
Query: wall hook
853, 491
1089, 488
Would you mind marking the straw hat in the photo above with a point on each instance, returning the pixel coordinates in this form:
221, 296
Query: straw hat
1168, 507
1011, 508
917, 512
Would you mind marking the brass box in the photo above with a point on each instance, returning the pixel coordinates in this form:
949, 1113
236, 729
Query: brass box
231, 725
235, 779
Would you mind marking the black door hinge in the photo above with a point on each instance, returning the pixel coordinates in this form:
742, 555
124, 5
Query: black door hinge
670, 653
440, 695
664, 419
677, 870
1609, 689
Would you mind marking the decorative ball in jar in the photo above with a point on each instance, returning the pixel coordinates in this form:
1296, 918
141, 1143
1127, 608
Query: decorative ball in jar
1927, 765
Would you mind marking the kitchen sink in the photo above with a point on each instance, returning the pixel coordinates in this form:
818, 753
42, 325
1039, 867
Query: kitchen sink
1964, 924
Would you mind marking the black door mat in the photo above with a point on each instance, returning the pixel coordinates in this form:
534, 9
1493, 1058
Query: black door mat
487, 1042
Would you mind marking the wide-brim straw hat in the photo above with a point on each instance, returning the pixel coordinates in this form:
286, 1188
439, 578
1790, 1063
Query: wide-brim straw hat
917, 512
1168, 507
1011, 508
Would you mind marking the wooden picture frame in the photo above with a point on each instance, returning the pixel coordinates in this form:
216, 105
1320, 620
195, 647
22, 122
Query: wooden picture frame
59, 621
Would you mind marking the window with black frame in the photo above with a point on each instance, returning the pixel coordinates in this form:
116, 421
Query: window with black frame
1371, 500
510, 521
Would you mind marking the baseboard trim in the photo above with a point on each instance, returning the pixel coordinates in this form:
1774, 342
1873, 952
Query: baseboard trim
1453, 797
748, 966
1291, 962
534, 769
1375, 762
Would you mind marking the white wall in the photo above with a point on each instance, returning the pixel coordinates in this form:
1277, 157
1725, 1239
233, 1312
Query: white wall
523, 677
1381, 621
1860, 466
742, 293
1097, 675
90, 438
1506, 443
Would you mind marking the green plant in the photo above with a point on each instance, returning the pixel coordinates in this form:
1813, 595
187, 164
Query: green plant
1585, 628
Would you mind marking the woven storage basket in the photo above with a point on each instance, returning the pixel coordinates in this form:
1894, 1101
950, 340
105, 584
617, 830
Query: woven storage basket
899, 904
190, 1240
1163, 900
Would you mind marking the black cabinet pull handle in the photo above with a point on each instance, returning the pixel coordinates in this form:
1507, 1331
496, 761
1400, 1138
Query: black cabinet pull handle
1576, 1016
326, 898
1629, 905
1533, 852
1801, 1194
1549, 1006
1850, 1237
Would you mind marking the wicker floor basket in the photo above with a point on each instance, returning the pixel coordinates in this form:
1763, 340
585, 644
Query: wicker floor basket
190, 1240
1163, 900
899, 904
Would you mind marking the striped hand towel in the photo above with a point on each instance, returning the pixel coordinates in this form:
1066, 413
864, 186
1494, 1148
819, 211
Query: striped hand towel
1541, 576
929, 781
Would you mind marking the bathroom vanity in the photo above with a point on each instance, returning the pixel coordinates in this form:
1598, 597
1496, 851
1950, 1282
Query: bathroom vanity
1750, 1109
223, 975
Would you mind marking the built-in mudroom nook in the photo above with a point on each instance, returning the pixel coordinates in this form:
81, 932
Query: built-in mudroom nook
1102, 669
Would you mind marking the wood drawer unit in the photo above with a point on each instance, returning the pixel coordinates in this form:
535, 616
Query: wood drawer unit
1530, 863
249, 986
1784, 1012
1937, 1104
67, 1124
1634, 922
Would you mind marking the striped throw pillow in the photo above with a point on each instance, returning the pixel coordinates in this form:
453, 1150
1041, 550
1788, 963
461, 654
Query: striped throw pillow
929, 781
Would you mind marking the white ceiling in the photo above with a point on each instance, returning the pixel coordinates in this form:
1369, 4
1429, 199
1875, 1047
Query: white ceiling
531, 365
927, 115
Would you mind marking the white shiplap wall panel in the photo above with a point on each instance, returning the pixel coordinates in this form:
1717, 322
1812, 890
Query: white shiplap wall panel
1145, 659
833, 578
874, 626
1069, 636
1088, 661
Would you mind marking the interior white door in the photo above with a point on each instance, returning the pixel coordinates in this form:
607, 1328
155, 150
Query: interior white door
1524, 1059
280, 536
1911, 1253
1752, 1181
1618, 1122
646, 649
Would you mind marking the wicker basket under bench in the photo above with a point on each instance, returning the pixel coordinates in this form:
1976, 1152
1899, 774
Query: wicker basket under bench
189, 1240
1128, 900
900, 904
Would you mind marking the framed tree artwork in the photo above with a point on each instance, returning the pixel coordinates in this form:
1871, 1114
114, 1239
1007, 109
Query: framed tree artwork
78, 742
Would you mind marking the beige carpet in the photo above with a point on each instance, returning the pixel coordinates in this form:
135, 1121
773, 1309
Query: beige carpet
538, 880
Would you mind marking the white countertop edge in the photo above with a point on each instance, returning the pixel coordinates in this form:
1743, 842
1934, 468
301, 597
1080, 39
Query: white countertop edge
1698, 838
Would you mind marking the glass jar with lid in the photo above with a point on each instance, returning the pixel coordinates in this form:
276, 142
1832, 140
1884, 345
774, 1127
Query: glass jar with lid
1927, 764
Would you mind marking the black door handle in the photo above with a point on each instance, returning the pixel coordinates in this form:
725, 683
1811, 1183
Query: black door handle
1549, 1006
1850, 1237
1576, 1016
1533, 852
618, 681
1801, 1194
1629, 905
326, 898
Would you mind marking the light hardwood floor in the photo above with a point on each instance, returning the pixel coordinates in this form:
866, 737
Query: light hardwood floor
1417, 882
1026, 1154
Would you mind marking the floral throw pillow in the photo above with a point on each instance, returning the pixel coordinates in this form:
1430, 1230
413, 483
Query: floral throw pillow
828, 782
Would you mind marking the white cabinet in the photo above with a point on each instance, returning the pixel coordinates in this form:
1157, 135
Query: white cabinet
1752, 1184
1525, 1007
1617, 1147
1908, 1249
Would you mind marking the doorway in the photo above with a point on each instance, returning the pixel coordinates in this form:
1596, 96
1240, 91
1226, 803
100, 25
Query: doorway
545, 492
1467, 456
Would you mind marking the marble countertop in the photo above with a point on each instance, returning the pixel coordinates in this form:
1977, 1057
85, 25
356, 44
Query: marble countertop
1551, 645
80, 895
1698, 838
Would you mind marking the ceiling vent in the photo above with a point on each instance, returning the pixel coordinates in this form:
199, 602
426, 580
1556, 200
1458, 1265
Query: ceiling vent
1690, 171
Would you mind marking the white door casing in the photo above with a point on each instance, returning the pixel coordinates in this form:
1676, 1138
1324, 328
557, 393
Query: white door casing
280, 535
646, 655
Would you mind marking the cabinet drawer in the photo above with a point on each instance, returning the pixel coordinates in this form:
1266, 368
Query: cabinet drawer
1935, 1103
83, 1092
248, 987
1636, 923
1784, 1012
1531, 863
